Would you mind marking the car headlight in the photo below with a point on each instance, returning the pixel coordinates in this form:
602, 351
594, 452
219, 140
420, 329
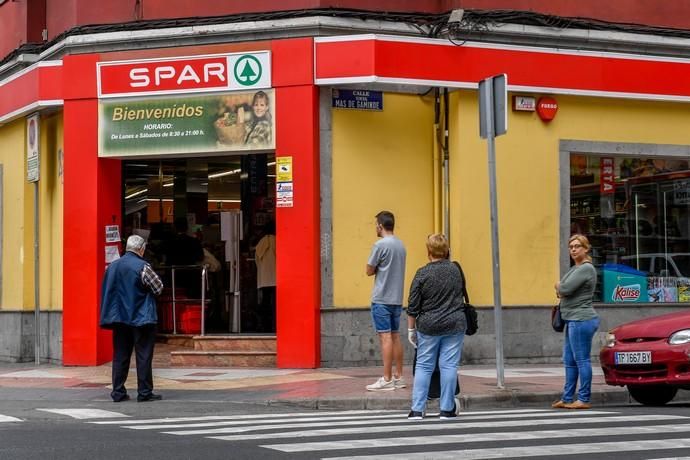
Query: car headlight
680, 337
610, 339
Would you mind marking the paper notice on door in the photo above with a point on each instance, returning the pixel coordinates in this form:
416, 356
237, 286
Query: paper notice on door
112, 233
112, 253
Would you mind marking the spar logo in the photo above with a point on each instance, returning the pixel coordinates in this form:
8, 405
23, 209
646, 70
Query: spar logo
185, 74
629, 293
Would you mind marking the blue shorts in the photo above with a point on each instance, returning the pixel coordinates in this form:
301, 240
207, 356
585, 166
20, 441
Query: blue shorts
386, 317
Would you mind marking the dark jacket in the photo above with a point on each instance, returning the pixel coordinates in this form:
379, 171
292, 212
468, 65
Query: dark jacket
435, 299
125, 299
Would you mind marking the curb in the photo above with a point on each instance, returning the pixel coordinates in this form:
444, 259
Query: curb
499, 399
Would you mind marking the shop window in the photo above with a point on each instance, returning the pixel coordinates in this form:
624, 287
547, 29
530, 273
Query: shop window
636, 213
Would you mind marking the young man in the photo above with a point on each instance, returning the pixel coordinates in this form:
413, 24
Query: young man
387, 264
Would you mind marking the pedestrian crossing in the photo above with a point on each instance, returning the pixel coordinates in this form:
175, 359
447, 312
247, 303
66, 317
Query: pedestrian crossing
366, 434
474, 435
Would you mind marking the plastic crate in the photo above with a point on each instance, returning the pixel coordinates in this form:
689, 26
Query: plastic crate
189, 319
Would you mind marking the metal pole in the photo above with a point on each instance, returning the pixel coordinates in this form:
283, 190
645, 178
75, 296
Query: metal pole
637, 232
173, 301
203, 299
37, 278
665, 235
498, 320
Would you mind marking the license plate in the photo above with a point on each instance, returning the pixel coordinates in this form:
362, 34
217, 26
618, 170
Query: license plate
634, 357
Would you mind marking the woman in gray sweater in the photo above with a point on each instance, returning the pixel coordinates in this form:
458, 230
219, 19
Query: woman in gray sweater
436, 326
575, 291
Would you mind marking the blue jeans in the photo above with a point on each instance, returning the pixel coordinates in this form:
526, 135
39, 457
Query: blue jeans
447, 349
577, 350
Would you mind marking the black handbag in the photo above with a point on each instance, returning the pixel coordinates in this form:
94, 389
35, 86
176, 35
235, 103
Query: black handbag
557, 322
470, 311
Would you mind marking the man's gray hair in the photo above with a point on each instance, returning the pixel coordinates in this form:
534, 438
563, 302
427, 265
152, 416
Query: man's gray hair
135, 243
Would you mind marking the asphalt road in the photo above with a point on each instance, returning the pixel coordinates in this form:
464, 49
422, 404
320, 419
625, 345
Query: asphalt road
60, 424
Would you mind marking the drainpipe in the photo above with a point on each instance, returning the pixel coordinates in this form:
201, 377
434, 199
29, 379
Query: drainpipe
446, 172
436, 165
441, 175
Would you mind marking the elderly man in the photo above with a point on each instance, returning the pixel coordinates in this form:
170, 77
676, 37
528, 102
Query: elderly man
128, 307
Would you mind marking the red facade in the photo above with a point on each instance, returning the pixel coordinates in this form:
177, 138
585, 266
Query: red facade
24, 21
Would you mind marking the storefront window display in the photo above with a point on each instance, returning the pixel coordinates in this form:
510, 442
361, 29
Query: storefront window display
636, 213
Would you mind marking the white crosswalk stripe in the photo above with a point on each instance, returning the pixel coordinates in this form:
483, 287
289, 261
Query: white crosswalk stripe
535, 451
478, 437
294, 421
670, 458
453, 425
362, 435
7, 418
245, 418
85, 414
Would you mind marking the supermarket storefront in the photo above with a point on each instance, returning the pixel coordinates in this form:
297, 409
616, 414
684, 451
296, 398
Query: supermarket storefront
583, 170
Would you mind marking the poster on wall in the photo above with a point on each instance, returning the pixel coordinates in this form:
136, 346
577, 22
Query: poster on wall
237, 121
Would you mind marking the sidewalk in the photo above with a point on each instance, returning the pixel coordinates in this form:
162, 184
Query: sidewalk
525, 385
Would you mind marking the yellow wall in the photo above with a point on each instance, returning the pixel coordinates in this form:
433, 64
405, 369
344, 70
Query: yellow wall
14, 194
51, 213
383, 160
528, 185
18, 217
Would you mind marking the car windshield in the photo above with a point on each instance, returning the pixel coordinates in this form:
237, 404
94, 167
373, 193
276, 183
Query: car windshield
683, 264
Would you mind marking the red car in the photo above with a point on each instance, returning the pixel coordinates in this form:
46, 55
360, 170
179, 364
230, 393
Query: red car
651, 356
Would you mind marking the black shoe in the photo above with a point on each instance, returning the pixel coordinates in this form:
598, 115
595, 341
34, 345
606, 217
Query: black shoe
121, 398
149, 397
448, 414
414, 415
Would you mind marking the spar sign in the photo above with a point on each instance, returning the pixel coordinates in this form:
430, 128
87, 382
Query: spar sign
221, 72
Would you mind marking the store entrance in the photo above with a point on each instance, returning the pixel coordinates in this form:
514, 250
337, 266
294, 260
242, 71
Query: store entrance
209, 224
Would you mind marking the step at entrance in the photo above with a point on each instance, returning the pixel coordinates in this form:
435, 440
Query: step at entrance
227, 351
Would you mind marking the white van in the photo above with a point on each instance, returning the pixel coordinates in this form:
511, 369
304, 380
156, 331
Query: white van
660, 264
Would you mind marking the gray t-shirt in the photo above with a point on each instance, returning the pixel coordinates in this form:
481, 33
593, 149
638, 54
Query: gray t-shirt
388, 257
576, 290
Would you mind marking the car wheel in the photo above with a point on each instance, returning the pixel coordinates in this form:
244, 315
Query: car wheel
652, 395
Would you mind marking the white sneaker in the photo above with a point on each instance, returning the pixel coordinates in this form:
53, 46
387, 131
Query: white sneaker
457, 405
399, 382
382, 385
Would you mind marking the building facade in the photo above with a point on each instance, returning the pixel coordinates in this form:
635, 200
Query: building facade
138, 124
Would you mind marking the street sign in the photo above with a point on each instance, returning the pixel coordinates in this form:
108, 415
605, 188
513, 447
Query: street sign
493, 94
32, 142
357, 99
